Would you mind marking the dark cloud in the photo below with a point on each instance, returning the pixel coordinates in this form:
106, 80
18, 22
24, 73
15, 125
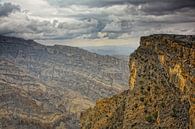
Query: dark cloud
151, 7
93, 19
171, 4
8, 8
97, 3
166, 7
148, 7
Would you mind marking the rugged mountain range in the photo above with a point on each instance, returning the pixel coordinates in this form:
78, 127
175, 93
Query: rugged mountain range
48, 86
162, 89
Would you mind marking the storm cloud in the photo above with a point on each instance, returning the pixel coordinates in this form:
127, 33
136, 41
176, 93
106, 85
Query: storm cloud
95, 19
8, 8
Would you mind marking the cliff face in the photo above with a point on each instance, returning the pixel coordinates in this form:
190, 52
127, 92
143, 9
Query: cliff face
162, 91
27, 102
69, 67
48, 86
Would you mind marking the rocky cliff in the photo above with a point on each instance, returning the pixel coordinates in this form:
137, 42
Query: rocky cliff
48, 86
162, 89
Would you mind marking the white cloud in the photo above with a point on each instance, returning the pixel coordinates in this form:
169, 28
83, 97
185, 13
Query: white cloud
113, 27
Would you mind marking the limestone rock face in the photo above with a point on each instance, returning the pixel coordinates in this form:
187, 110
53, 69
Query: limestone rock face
46, 87
162, 89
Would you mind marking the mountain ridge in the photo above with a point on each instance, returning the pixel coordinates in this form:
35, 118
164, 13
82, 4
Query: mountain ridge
57, 81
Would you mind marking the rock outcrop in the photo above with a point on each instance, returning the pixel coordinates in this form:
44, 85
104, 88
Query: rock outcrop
162, 89
48, 86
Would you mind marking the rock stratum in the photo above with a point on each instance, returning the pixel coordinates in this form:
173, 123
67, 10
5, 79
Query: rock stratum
162, 89
46, 87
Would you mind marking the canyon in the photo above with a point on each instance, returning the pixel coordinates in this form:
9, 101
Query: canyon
62, 87
47, 87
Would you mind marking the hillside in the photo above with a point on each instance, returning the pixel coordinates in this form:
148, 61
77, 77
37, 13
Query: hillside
161, 93
48, 86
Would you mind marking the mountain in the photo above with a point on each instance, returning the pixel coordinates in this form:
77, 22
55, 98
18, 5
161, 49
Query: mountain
122, 57
161, 93
111, 50
48, 86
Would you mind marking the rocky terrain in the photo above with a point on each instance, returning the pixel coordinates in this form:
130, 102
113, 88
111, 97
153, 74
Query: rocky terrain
161, 93
46, 87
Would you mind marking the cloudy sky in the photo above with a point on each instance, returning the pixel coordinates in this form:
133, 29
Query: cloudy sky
95, 22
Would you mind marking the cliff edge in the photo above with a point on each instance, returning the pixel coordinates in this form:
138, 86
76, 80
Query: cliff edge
161, 93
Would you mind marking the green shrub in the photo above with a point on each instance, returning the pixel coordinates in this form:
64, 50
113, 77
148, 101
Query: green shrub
149, 118
174, 112
152, 117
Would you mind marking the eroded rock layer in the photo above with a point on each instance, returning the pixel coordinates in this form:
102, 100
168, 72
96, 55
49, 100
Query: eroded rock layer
46, 87
162, 90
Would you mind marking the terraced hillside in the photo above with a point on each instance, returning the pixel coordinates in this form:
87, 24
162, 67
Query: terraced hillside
48, 86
